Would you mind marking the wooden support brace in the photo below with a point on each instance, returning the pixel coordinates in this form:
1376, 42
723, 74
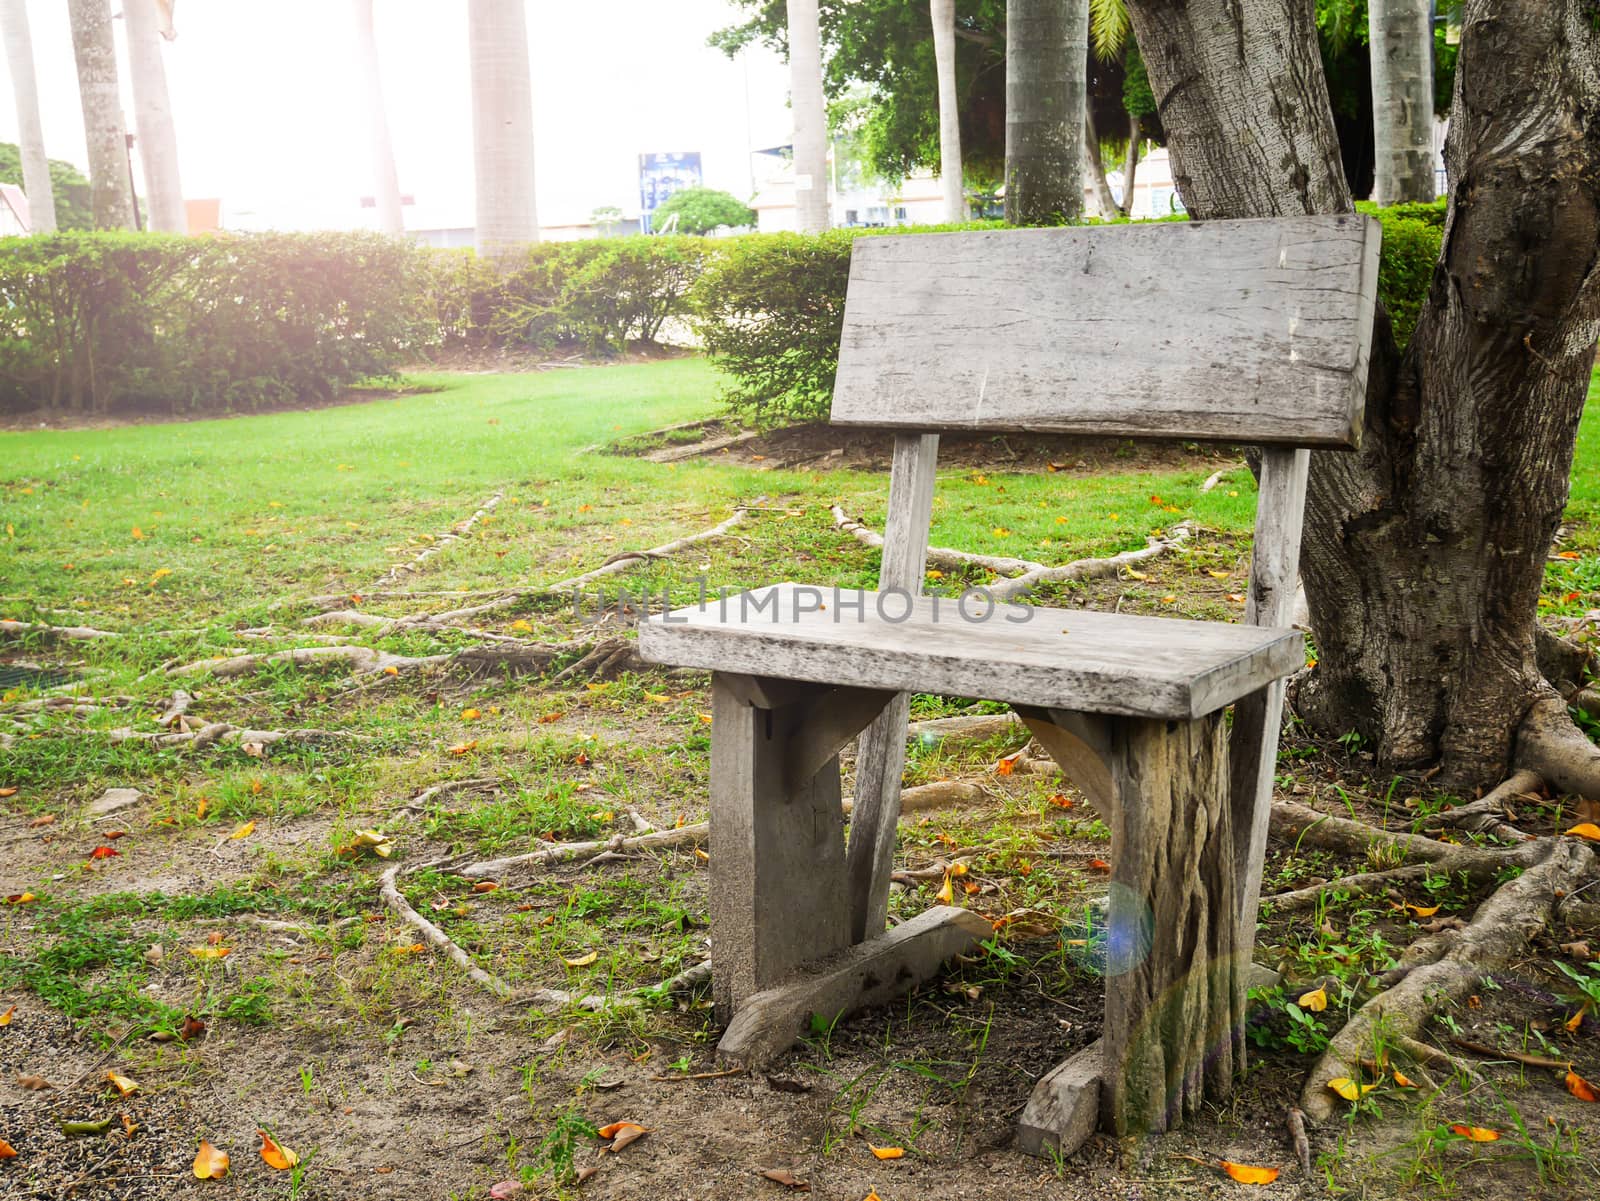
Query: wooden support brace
777, 832
857, 977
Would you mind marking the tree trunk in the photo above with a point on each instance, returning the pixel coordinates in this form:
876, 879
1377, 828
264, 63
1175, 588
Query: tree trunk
810, 118
152, 110
1046, 62
1104, 202
1401, 38
1424, 552
943, 13
502, 127
35, 166
1130, 167
380, 148
103, 128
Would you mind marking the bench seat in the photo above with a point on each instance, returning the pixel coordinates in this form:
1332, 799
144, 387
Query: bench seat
1077, 659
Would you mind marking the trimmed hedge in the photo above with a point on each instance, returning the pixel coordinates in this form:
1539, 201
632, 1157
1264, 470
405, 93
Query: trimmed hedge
92, 322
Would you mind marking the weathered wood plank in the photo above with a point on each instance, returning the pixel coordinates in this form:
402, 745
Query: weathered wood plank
858, 977
881, 757
1081, 744
1057, 658
1258, 717
1174, 985
1245, 331
1063, 1111
777, 850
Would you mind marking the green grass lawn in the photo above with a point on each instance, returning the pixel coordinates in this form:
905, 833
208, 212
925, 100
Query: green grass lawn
200, 539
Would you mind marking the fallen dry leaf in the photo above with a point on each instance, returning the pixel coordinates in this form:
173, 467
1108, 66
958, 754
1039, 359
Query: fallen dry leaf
583, 961
485, 886
1478, 1134
1247, 1173
243, 831
1581, 1088
5, 1018
210, 952
1422, 910
192, 1028
1316, 1000
103, 852
1402, 1080
504, 1189
33, 1083
125, 1086
7, 1151
277, 1157
461, 748
886, 1152
787, 1178
1575, 1023
471, 714
622, 1134
210, 1163
1349, 1089
368, 840
21, 898
1585, 830
5, 792
44, 819
1578, 950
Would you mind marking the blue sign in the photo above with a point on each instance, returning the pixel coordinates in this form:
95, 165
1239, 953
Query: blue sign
660, 175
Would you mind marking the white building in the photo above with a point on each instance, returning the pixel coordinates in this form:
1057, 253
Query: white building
13, 211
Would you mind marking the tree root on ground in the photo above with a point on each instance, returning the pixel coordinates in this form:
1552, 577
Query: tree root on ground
1551, 744
621, 562
1498, 934
436, 937
455, 534
1491, 813
221, 733
509, 658
1024, 574
39, 629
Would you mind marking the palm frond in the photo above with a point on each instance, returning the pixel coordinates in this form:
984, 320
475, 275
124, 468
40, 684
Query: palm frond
1108, 28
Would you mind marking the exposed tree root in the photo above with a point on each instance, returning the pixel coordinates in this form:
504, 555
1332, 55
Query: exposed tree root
623, 561
1216, 477
37, 629
1292, 821
508, 658
566, 852
221, 733
437, 937
975, 728
1549, 743
455, 534
1300, 899
606, 660
1498, 933
1491, 813
1024, 574
1560, 659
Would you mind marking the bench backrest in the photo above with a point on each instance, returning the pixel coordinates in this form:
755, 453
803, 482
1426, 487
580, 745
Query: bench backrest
1238, 331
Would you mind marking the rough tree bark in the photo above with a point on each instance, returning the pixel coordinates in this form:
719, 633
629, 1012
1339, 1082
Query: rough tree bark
149, 24
1130, 166
35, 166
103, 126
380, 147
1047, 48
810, 117
502, 126
1401, 37
1424, 552
943, 13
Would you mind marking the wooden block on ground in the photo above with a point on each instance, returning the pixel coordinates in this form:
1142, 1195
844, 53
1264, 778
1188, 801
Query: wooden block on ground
1064, 1110
869, 973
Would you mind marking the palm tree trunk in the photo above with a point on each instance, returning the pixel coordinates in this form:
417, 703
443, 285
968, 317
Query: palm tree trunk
1046, 62
1102, 200
810, 117
103, 127
502, 126
1401, 37
385, 179
943, 13
1131, 165
35, 166
152, 109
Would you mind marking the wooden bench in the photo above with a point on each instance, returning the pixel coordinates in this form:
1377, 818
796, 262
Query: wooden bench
1244, 332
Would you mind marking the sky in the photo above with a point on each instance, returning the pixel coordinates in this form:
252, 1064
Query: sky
268, 118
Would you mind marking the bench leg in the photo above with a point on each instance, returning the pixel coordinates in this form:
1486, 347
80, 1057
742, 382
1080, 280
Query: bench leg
777, 834
1174, 980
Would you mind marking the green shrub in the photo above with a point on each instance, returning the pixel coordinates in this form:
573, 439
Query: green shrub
599, 294
1411, 242
100, 321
